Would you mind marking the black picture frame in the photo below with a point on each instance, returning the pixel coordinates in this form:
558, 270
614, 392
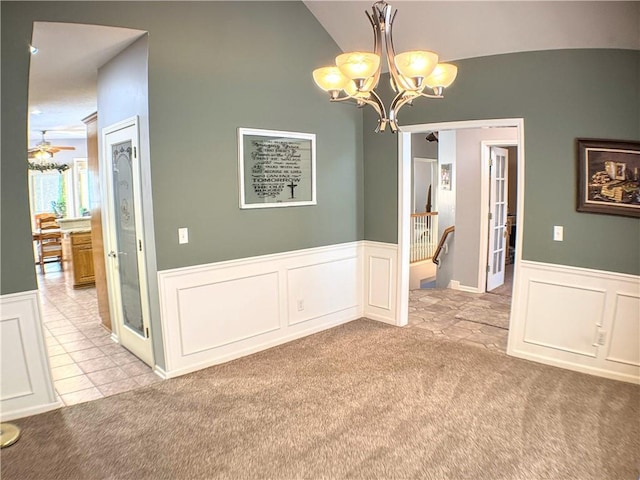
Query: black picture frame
608, 176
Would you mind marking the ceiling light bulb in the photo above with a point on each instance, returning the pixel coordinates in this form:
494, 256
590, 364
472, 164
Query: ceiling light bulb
416, 63
358, 65
42, 155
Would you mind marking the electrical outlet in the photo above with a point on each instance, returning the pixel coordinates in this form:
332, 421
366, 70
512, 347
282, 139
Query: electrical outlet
300, 305
183, 235
558, 233
602, 337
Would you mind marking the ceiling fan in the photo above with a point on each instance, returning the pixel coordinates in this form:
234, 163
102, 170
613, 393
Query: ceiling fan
44, 150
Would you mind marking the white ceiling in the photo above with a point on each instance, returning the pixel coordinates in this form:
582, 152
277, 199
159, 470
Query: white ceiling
63, 74
457, 30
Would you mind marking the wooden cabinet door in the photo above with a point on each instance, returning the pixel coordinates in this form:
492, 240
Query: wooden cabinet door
83, 264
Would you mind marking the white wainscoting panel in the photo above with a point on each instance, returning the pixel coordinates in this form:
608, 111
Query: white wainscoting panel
25, 383
217, 312
624, 346
313, 288
218, 324
576, 318
566, 317
381, 270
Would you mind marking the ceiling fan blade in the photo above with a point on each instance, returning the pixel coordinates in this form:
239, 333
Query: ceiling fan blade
60, 147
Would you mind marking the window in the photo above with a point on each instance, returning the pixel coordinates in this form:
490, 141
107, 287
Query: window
82, 206
65, 194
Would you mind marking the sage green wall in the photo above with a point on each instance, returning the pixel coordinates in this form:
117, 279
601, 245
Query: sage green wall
562, 95
213, 67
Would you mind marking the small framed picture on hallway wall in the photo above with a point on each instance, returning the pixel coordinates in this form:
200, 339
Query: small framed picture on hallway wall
276, 169
445, 176
608, 176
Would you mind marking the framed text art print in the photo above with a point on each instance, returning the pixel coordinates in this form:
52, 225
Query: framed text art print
609, 177
276, 169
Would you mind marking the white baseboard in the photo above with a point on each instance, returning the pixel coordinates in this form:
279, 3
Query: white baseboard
576, 318
455, 285
254, 348
33, 410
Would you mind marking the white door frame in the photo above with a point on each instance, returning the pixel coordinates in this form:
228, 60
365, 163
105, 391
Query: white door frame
109, 234
404, 201
484, 202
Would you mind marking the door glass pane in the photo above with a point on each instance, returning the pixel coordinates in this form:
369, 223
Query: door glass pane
126, 235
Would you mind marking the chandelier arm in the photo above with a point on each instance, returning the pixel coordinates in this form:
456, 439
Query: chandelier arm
398, 102
377, 42
378, 105
398, 83
429, 95
342, 99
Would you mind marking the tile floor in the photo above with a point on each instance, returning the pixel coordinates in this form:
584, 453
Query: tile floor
477, 319
85, 363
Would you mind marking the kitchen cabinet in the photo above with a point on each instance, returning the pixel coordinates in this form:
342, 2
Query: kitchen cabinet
77, 254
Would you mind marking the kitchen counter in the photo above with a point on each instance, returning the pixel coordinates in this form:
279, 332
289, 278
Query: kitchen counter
75, 224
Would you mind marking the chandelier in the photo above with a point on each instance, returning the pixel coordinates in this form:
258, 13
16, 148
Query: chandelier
412, 74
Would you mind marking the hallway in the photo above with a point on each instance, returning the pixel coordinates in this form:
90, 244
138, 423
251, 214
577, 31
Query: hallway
85, 362
477, 319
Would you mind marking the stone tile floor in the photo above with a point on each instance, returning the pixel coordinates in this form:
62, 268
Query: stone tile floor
85, 362
477, 319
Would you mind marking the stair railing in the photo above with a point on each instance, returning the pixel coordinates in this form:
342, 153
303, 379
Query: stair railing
441, 243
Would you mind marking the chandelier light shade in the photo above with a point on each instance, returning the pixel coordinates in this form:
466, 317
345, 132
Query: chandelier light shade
330, 79
358, 65
356, 74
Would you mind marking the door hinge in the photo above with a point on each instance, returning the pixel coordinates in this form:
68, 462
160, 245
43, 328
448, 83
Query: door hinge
140, 245
147, 331
488, 269
490, 216
135, 152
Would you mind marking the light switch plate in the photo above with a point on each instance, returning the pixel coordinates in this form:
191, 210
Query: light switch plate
558, 233
183, 235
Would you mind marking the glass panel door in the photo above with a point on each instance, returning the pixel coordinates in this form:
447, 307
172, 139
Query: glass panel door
126, 272
125, 233
498, 221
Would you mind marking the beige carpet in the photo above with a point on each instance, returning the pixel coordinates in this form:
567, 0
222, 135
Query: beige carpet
364, 400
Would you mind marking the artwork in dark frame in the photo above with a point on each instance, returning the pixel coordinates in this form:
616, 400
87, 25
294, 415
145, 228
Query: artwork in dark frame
608, 176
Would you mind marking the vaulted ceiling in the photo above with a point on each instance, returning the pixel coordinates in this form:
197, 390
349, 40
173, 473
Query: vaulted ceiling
63, 74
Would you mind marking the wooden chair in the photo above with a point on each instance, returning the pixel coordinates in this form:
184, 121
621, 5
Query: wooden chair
49, 239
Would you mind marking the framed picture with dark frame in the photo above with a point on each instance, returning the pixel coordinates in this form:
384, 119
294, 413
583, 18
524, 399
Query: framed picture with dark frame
276, 169
608, 176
